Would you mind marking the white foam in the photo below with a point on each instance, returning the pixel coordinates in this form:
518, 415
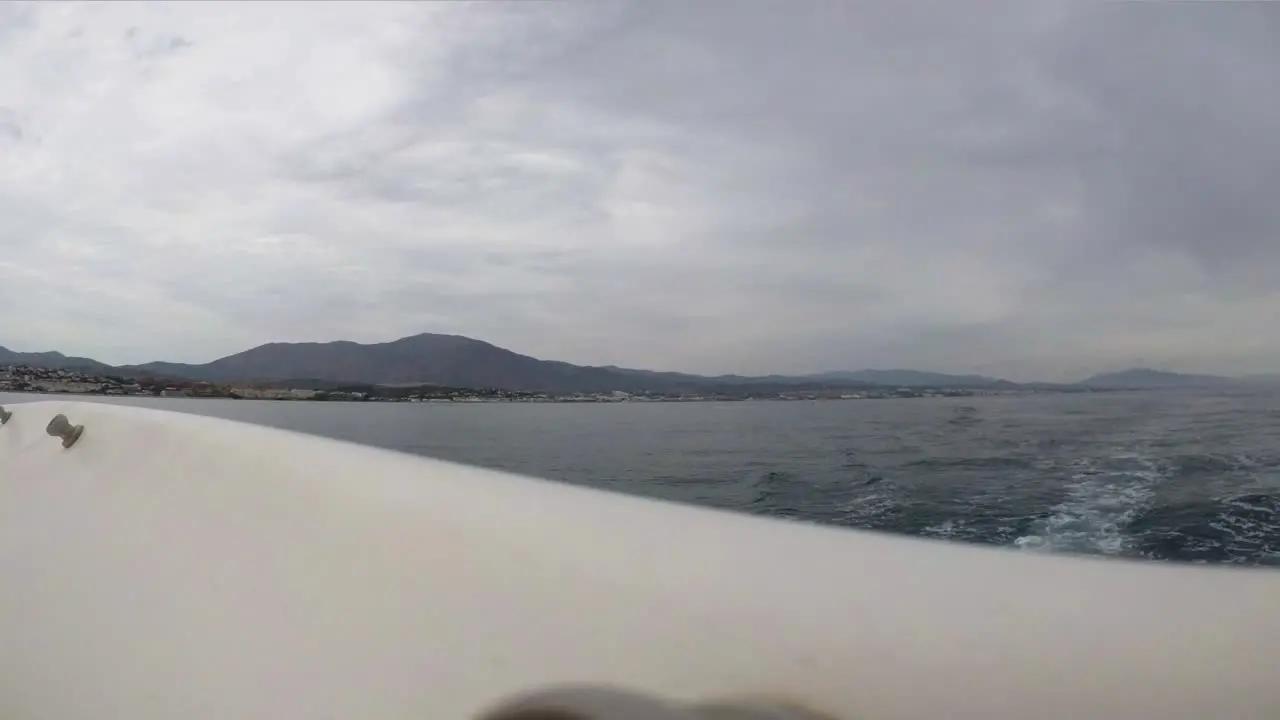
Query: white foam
1248, 533
949, 528
1098, 506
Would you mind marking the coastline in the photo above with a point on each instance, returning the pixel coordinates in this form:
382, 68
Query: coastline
45, 381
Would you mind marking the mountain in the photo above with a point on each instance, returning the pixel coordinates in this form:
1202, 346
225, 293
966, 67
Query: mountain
54, 360
429, 359
1146, 378
461, 362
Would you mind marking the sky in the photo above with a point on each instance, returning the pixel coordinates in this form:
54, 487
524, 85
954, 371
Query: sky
1032, 190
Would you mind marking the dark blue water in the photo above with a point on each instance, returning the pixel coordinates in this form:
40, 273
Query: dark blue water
1160, 475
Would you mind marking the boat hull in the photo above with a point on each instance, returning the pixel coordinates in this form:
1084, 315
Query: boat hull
176, 566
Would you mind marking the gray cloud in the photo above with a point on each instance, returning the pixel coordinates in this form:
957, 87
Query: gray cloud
1028, 189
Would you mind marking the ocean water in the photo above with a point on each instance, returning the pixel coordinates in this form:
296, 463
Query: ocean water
1168, 476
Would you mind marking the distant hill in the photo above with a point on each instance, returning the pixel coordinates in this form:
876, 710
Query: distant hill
1146, 378
55, 360
462, 362
448, 361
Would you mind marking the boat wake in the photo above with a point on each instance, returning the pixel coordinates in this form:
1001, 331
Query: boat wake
1102, 501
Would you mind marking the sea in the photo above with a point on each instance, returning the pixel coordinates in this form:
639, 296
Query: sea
1172, 476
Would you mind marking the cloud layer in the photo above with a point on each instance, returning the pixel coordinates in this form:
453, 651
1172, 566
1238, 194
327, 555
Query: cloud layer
1024, 189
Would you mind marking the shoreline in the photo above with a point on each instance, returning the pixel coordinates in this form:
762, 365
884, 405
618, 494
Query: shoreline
47, 381
919, 393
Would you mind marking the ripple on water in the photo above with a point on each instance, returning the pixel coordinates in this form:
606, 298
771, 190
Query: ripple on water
1235, 529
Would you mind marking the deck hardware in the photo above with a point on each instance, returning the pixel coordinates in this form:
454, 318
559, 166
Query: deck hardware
61, 427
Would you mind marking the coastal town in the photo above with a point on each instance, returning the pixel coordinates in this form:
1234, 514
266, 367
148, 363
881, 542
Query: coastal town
27, 379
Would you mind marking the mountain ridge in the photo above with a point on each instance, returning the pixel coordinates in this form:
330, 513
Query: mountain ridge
50, 359
1151, 378
460, 361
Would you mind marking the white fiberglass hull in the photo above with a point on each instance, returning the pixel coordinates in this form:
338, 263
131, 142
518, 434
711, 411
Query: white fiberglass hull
172, 566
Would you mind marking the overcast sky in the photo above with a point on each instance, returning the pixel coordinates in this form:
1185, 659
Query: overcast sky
1022, 189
